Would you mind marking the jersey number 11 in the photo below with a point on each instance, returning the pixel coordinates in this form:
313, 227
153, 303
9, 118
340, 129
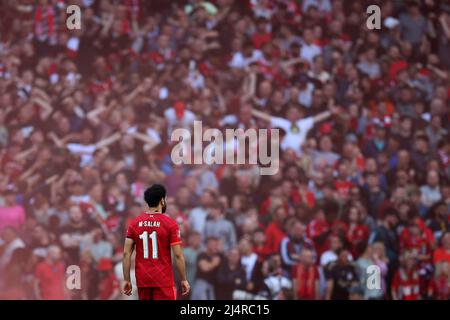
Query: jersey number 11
144, 236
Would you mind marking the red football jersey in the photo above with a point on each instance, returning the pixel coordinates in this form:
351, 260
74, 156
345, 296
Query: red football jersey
153, 235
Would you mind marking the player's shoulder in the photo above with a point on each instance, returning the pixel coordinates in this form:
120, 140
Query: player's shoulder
136, 220
169, 220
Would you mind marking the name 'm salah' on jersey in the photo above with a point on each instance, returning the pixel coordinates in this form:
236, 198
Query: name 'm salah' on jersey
153, 235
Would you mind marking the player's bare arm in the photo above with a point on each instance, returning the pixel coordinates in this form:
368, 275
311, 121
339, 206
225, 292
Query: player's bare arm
127, 252
181, 267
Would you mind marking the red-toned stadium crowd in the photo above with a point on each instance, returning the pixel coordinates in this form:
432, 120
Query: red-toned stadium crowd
358, 210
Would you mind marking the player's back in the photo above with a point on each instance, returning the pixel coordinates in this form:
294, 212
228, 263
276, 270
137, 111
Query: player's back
153, 234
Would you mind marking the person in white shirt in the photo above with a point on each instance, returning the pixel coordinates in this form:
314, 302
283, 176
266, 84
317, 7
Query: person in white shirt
85, 147
10, 242
306, 91
430, 193
296, 129
239, 59
198, 215
150, 136
248, 258
369, 64
309, 50
277, 282
178, 117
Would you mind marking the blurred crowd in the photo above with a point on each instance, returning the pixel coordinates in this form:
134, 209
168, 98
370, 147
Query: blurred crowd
359, 208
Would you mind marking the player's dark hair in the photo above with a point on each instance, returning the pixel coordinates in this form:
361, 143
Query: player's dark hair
154, 194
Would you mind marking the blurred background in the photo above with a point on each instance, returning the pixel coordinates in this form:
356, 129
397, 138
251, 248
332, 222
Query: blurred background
85, 123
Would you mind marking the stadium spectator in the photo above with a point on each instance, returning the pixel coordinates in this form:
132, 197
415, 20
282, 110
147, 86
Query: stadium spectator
50, 277
252, 267
191, 252
231, 276
442, 253
219, 227
108, 286
306, 278
10, 243
277, 282
292, 245
335, 244
198, 215
385, 233
373, 255
73, 234
341, 276
208, 263
406, 282
438, 288
11, 213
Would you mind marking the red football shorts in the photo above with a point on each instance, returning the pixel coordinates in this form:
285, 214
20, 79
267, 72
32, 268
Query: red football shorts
157, 293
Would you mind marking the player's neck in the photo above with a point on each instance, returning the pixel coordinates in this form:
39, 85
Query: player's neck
153, 210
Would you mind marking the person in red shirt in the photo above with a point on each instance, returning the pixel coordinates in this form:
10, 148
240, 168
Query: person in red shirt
439, 287
443, 253
153, 234
261, 36
274, 232
306, 277
342, 183
357, 232
418, 238
259, 245
273, 201
301, 195
108, 286
50, 277
406, 282
319, 230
